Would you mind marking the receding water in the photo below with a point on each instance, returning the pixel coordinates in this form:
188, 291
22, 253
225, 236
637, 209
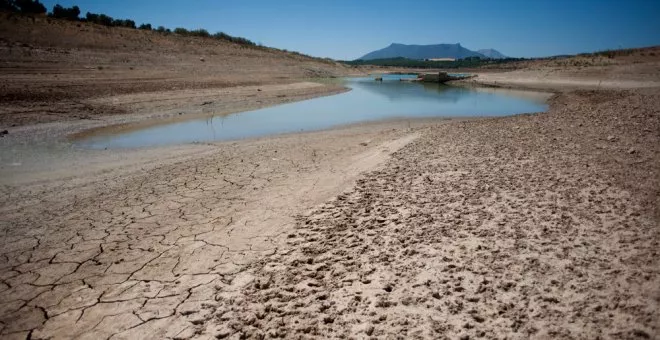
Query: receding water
367, 101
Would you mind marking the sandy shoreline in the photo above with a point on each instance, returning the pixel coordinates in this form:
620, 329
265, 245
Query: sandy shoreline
502, 227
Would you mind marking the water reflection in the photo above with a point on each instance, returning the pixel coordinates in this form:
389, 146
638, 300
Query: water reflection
368, 101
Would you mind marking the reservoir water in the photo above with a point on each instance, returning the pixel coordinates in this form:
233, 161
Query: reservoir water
368, 100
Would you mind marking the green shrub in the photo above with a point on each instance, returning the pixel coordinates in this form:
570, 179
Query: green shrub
145, 27
100, 19
237, 40
28, 6
181, 31
8, 5
199, 33
60, 12
123, 23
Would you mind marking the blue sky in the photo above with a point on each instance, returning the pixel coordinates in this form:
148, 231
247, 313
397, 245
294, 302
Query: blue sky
348, 29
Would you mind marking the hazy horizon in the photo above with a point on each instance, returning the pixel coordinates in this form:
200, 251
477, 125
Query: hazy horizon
346, 30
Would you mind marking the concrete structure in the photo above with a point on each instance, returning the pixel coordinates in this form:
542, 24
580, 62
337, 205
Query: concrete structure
440, 59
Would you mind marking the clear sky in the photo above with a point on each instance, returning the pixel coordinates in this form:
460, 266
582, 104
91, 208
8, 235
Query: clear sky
348, 29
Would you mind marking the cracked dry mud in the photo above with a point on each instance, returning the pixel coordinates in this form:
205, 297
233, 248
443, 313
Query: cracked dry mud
143, 254
534, 226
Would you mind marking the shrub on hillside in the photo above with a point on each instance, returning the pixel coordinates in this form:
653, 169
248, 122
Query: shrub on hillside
181, 31
105, 20
7, 5
25, 6
100, 19
60, 12
237, 40
73, 13
200, 33
123, 23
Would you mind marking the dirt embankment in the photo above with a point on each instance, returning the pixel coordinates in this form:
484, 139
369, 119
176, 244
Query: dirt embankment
51, 68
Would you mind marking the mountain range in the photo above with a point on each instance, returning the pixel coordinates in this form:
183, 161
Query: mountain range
420, 52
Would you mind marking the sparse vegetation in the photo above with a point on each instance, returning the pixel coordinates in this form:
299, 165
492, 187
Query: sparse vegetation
180, 31
611, 54
23, 6
60, 12
100, 19
32, 7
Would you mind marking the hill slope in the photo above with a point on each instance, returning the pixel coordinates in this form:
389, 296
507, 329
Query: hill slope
422, 52
47, 61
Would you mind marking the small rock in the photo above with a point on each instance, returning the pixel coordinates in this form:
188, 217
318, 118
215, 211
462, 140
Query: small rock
202, 59
369, 330
632, 151
4, 132
223, 333
478, 318
641, 334
464, 337
611, 138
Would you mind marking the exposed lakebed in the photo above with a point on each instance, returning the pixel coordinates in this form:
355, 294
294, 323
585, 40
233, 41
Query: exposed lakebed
368, 100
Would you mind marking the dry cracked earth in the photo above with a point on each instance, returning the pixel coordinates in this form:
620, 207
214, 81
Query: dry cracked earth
536, 226
533, 226
143, 255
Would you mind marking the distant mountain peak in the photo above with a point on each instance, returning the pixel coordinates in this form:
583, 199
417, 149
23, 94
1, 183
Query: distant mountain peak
396, 50
419, 52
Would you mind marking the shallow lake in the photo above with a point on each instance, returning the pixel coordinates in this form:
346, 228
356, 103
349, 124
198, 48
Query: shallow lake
368, 100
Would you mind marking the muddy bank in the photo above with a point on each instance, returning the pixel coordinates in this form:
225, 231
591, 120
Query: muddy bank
44, 151
149, 108
533, 226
